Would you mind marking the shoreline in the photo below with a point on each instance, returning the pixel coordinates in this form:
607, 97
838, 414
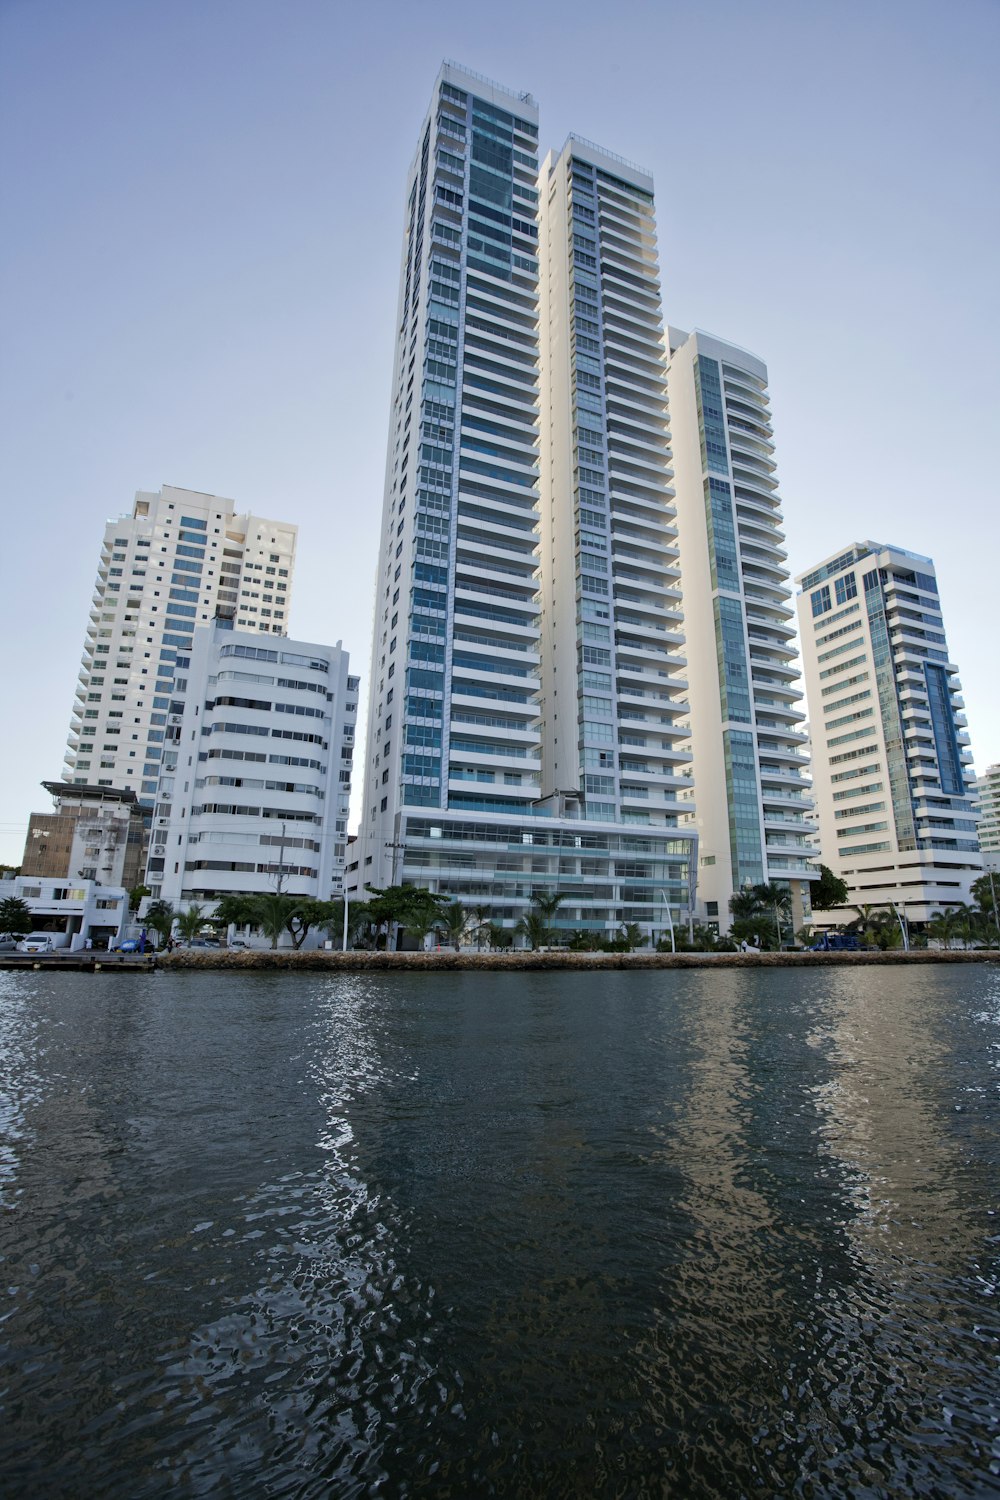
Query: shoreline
361, 961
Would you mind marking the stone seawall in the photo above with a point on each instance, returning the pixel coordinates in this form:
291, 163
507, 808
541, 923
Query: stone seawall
362, 962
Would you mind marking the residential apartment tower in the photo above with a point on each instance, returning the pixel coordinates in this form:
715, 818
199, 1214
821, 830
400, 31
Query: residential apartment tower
180, 560
751, 783
889, 746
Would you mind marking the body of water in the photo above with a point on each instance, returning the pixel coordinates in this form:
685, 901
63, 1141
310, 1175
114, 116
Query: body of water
572, 1234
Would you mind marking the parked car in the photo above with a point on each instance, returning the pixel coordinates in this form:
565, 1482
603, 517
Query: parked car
236, 943
36, 942
8, 943
205, 942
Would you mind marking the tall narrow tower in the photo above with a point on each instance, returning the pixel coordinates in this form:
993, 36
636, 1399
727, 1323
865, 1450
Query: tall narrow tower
754, 806
612, 669
454, 679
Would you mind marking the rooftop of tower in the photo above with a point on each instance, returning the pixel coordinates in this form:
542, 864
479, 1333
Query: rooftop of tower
523, 97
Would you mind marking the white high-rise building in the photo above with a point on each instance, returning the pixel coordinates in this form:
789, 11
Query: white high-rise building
259, 800
178, 561
988, 795
896, 802
459, 793
751, 786
613, 679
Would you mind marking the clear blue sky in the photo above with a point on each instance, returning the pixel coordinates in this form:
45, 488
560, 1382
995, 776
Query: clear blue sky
203, 205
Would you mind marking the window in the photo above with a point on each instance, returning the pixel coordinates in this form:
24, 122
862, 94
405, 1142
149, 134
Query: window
846, 588
821, 601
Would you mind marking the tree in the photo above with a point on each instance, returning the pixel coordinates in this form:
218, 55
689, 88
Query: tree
986, 895
633, 936
160, 919
584, 940
776, 900
703, 938
744, 904
15, 917
533, 929
481, 928
968, 924
309, 914
412, 908
273, 914
943, 927
547, 903
536, 926
453, 922
136, 896
828, 891
760, 934
358, 916
499, 936
190, 922
235, 910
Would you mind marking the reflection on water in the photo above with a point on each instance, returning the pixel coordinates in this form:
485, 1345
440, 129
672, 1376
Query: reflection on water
671, 1233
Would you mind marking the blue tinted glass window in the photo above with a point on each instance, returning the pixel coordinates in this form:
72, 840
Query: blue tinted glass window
711, 417
730, 640
846, 588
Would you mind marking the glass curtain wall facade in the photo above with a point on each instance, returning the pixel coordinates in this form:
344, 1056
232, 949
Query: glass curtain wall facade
893, 786
754, 807
454, 751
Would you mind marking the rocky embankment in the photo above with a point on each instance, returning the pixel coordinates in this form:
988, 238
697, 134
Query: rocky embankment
360, 962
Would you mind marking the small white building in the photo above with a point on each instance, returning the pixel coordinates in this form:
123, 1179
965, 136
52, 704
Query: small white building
259, 800
74, 912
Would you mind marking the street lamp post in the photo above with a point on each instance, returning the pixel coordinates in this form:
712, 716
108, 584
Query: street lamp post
902, 928
670, 921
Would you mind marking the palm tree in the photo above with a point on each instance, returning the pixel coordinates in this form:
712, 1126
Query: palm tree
482, 917
499, 935
190, 922
967, 924
160, 919
633, 936
544, 905
274, 912
358, 916
533, 929
453, 922
942, 927
744, 904
547, 903
774, 898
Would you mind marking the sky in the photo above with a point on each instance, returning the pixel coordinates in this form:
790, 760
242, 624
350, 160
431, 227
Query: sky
203, 205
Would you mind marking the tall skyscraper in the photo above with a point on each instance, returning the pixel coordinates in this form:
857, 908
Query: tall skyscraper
459, 793
889, 745
754, 807
613, 680
179, 560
